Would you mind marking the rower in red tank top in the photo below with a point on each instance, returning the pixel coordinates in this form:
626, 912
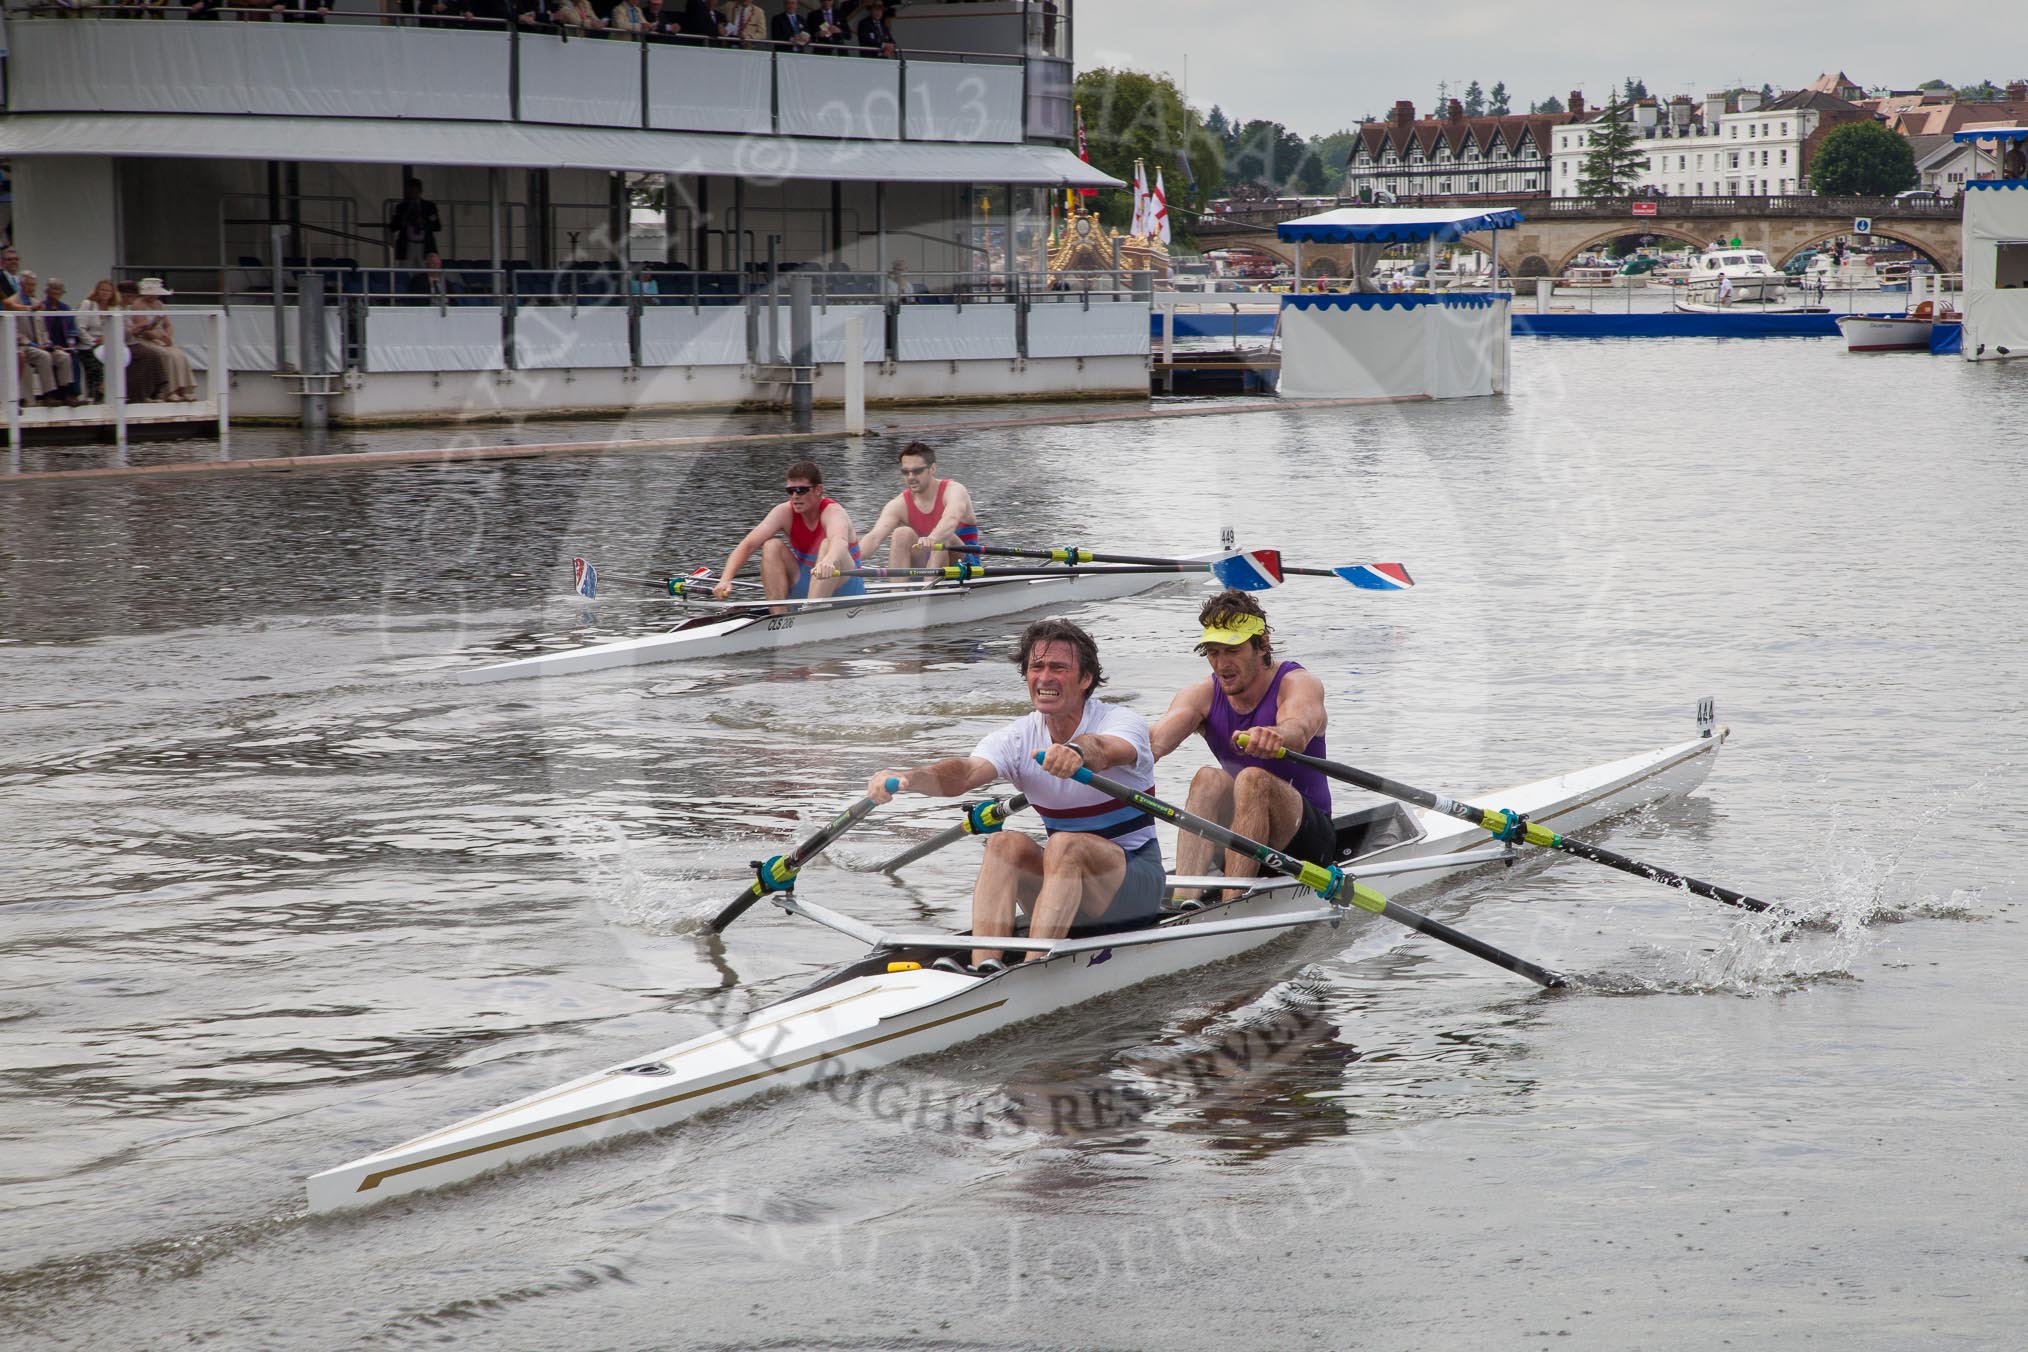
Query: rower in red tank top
929, 512
820, 539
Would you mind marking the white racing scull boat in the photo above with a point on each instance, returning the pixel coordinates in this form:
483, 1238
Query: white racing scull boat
892, 1005
885, 609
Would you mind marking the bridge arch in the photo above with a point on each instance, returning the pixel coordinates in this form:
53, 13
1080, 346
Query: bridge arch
1940, 264
1682, 234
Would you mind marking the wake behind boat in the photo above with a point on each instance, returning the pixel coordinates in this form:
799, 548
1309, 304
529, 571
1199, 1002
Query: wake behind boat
892, 1005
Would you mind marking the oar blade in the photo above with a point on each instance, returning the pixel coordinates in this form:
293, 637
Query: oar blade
1250, 570
1376, 576
584, 578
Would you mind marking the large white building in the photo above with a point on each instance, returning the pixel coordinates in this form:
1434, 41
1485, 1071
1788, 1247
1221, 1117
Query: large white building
1754, 149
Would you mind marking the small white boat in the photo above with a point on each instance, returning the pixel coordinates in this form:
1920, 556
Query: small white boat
1726, 276
884, 610
1886, 333
892, 1005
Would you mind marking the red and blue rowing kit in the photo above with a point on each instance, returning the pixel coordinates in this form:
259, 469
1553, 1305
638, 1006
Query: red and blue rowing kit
806, 542
924, 524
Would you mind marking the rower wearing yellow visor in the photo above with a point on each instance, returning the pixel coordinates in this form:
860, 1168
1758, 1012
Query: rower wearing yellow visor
1277, 704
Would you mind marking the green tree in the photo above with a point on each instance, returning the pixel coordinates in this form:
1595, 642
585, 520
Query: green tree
1613, 165
1862, 159
1634, 89
1475, 100
1934, 84
1984, 89
1552, 104
1130, 116
1496, 101
1267, 153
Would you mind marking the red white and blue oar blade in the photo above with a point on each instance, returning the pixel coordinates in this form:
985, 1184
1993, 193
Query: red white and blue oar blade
1376, 576
1250, 570
584, 579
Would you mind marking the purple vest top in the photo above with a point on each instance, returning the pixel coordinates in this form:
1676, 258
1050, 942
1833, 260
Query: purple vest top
1224, 720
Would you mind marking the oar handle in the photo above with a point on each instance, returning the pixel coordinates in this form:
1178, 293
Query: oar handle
778, 873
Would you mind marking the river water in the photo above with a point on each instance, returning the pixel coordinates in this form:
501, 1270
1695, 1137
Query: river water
274, 893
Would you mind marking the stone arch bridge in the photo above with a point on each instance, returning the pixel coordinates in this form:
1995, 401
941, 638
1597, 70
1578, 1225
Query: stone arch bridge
1555, 230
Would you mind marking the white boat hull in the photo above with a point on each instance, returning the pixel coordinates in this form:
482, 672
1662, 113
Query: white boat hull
1882, 333
747, 632
864, 1016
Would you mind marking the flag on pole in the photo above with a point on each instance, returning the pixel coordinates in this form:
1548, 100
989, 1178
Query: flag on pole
1140, 224
1161, 208
1082, 153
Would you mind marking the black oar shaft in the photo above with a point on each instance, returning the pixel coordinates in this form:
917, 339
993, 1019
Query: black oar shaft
980, 819
1534, 833
1329, 882
779, 873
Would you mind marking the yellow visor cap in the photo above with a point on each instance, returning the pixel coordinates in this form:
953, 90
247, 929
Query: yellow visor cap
1235, 631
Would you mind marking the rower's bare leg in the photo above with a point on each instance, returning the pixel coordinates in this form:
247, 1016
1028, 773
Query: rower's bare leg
1211, 798
901, 552
1264, 808
1008, 877
778, 572
1080, 874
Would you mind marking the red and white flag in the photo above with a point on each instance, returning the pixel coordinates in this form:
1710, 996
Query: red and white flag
1083, 154
1160, 203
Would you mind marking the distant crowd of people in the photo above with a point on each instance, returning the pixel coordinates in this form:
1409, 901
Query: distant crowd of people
854, 27
60, 350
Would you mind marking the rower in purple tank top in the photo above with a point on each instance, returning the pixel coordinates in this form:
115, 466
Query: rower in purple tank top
1277, 704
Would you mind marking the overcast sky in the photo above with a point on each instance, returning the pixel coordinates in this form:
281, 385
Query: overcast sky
1319, 65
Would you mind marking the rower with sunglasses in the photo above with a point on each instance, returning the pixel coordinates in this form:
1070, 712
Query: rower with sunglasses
927, 518
820, 541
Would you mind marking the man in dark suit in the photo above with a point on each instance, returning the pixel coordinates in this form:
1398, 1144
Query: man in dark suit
791, 27
830, 30
875, 37
699, 22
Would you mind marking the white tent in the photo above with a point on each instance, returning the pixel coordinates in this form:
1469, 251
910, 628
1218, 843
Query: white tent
1995, 300
1442, 345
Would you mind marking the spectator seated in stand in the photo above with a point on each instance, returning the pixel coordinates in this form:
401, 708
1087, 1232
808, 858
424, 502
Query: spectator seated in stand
157, 368
47, 374
60, 330
91, 324
746, 24
630, 19
577, 18
831, 30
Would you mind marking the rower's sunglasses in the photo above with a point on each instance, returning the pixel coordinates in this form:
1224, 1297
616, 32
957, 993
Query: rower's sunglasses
795, 490
912, 470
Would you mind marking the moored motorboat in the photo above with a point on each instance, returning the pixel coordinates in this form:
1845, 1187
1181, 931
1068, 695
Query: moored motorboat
892, 1004
1891, 333
1727, 275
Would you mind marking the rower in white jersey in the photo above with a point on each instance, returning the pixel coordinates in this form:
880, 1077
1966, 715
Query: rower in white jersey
1102, 865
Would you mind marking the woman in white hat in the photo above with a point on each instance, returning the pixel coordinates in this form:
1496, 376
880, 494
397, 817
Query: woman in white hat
153, 338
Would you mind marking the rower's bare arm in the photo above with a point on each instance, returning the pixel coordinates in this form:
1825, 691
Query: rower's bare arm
770, 526
1103, 752
938, 779
890, 517
1186, 715
835, 554
1299, 717
957, 511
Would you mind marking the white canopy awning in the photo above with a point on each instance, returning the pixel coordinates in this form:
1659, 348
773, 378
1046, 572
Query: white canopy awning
520, 145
